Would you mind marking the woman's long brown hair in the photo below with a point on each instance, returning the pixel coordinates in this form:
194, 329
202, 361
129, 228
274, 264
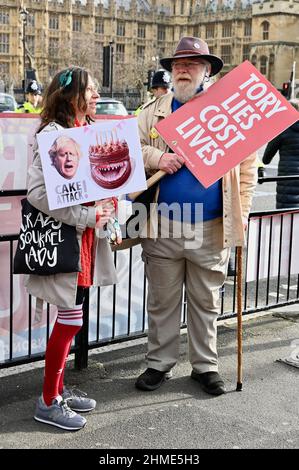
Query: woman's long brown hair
58, 99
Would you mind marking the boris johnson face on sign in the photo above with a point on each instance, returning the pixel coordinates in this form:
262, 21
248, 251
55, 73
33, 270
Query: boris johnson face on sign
65, 154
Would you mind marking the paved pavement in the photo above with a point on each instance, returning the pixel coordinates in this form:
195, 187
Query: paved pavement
178, 415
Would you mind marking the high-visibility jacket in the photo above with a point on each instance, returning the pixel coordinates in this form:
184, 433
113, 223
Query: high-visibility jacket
27, 107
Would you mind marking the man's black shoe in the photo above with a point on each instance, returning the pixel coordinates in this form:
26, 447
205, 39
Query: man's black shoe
151, 379
210, 382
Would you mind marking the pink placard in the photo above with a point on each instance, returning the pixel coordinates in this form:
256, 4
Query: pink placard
223, 126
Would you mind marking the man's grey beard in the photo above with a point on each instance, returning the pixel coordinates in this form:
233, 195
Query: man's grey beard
184, 93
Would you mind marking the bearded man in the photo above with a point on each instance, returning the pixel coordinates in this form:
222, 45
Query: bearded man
171, 260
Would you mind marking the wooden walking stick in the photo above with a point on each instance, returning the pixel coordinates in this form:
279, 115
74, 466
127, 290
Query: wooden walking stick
239, 250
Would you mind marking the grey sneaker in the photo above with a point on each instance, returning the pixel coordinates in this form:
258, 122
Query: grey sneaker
58, 414
77, 400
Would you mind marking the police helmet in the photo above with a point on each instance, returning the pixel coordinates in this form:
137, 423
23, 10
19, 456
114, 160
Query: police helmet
34, 88
162, 79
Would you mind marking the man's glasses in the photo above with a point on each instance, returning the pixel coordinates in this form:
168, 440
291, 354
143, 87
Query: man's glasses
185, 65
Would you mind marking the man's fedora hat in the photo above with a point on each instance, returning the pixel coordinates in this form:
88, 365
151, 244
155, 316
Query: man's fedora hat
193, 48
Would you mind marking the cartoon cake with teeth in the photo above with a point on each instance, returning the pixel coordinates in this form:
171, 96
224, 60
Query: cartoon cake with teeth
110, 163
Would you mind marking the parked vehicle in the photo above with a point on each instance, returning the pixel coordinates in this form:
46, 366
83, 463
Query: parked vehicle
111, 106
7, 103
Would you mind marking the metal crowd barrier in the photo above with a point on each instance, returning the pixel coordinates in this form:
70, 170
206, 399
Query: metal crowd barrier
112, 327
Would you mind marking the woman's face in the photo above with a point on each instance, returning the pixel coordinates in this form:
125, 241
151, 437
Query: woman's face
91, 97
67, 160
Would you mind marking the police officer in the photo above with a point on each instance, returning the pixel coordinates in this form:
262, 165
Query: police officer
33, 93
160, 83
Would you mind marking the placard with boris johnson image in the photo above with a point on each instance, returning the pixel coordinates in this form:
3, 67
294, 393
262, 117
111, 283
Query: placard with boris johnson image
92, 162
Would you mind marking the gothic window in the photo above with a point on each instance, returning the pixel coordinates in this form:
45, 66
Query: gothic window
4, 43
226, 54
141, 30
265, 30
210, 31
120, 52
4, 17
161, 32
53, 22
121, 28
227, 29
99, 26
263, 65
77, 24
246, 51
247, 28
182, 7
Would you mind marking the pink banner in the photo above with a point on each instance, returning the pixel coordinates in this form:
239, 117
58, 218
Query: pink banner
222, 127
16, 140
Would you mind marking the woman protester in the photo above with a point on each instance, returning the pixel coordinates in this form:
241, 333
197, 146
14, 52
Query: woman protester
70, 101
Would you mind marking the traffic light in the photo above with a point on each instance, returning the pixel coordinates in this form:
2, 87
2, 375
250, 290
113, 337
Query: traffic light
286, 89
106, 65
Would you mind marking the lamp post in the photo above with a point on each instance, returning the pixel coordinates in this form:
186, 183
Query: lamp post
111, 43
24, 13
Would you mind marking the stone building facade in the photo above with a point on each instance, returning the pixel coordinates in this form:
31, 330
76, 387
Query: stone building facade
59, 33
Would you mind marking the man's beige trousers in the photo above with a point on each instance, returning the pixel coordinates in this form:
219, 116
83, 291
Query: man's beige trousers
201, 265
